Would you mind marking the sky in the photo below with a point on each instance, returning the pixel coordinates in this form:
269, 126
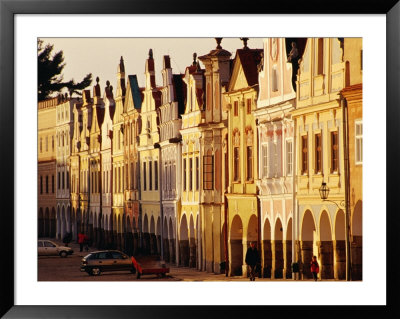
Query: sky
101, 56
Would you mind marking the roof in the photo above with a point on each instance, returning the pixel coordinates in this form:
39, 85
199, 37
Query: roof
250, 58
137, 95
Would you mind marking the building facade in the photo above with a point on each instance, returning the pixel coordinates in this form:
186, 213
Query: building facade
188, 218
170, 111
320, 225
243, 214
149, 157
132, 108
47, 202
63, 139
214, 128
276, 101
352, 94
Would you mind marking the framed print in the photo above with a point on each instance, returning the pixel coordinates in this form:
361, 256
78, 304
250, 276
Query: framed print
230, 165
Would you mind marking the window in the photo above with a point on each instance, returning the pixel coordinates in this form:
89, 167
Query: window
361, 60
41, 184
184, 174
52, 143
47, 184
274, 80
304, 155
63, 176
334, 152
191, 174
318, 153
208, 171
320, 58
249, 163
276, 162
236, 164
236, 108
289, 158
47, 143
52, 184
131, 178
264, 153
58, 180
150, 176
248, 106
197, 174
359, 139
156, 175
144, 176
40, 145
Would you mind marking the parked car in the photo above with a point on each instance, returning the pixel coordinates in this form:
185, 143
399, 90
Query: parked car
106, 260
50, 248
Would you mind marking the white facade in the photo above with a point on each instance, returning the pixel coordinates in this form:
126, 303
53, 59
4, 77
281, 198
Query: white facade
62, 142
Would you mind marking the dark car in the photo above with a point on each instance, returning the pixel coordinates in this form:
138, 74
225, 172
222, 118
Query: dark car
106, 260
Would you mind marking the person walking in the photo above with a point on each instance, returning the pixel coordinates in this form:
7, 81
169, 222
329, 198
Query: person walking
81, 241
314, 267
252, 259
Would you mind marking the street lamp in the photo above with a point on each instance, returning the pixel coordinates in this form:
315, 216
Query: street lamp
323, 193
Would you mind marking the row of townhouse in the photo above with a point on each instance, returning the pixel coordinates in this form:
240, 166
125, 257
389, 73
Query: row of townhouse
196, 169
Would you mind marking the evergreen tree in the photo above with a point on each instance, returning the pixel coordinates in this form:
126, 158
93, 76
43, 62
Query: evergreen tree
50, 79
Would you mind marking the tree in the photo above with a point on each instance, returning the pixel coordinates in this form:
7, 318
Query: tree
50, 79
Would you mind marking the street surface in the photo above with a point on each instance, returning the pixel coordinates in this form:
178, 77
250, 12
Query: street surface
55, 268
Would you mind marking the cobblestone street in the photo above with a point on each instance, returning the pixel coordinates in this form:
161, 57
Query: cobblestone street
54, 268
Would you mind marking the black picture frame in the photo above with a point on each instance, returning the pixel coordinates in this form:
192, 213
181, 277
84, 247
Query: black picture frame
8, 10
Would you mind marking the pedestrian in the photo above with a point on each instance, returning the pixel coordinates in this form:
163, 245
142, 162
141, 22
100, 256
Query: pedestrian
252, 259
314, 267
81, 240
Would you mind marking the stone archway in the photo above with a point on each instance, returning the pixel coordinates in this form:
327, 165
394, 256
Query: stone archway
46, 222
198, 243
172, 248
53, 221
339, 246
63, 222
165, 241
251, 236
277, 250
40, 223
266, 250
158, 236
236, 247
325, 247
129, 237
192, 243
135, 236
356, 244
287, 250
146, 235
58, 216
184, 242
153, 240
307, 242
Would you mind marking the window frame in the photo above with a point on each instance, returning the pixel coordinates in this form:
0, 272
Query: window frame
304, 154
318, 155
289, 159
334, 169
249, 163
358, 137
208, 172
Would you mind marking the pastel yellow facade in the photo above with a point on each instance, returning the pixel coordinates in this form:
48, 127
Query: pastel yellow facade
47, 167
243, 218
150, 162
320, 228
189, 234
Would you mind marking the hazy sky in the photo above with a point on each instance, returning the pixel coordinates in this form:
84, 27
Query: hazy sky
101, 56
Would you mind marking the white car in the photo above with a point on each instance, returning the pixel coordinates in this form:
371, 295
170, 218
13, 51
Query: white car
49, 248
